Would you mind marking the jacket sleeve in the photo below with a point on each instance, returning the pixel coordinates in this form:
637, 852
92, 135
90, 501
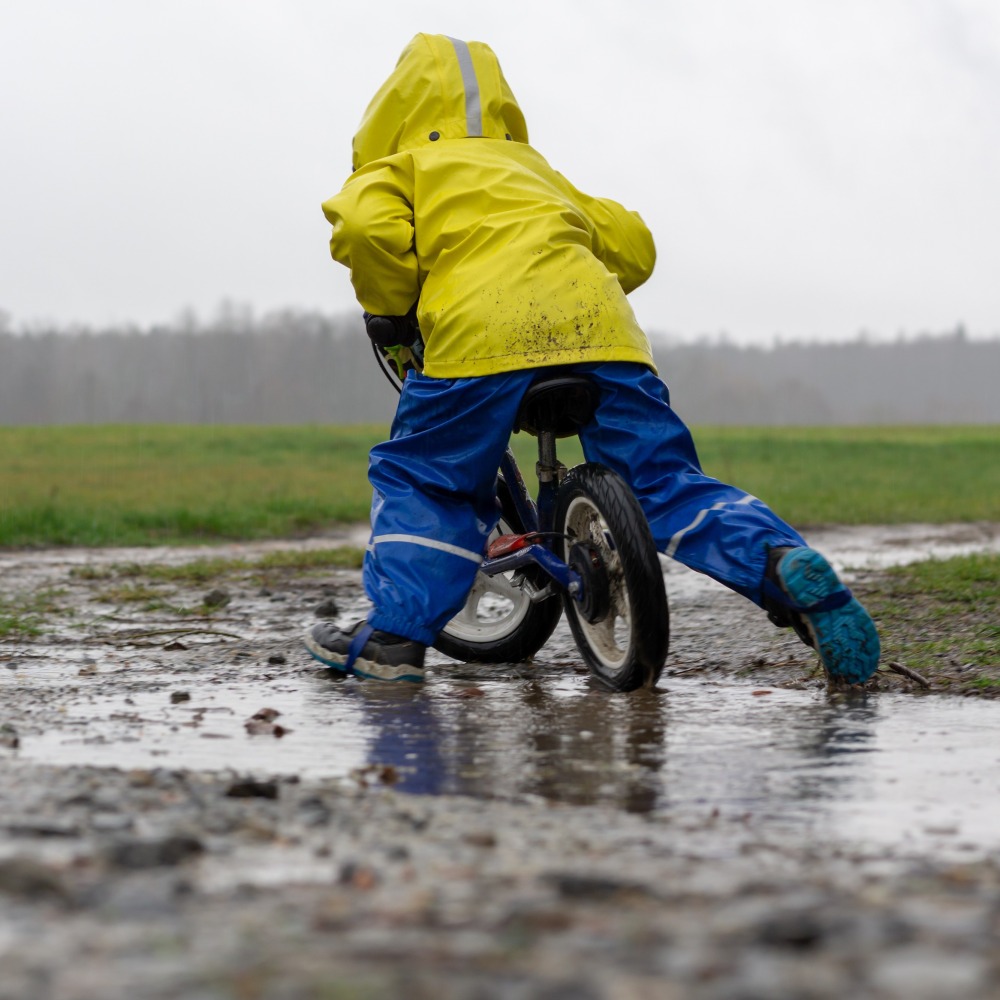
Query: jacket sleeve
372, 219
619, 239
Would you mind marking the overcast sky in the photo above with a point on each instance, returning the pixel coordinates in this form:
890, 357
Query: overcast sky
809, 168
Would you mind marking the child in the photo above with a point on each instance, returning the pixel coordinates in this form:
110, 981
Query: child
511, 269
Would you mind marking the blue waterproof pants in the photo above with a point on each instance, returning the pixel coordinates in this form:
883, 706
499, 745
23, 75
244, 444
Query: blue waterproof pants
434, 481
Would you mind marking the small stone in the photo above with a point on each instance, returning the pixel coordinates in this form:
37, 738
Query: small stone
52, 828
265, 715
168, 851
480, 838
358, 876
327, 609
251, 789
176, 697
217, 598
314, 812
574, 885
30, 879
277, 659
794, 930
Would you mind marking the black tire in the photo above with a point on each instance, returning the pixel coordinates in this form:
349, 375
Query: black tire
622, 623
500, 623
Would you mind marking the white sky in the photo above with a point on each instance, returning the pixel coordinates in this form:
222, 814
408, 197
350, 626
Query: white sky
809, 168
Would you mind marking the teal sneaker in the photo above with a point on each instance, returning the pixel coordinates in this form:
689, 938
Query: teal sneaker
801, 589
362, 651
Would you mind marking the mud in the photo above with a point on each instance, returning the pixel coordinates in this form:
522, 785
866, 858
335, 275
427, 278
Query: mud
189, 808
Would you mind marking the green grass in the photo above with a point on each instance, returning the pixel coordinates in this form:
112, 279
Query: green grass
136, 485
23, 614
862, 475
942, 619
204, 570
158, 586
142, 485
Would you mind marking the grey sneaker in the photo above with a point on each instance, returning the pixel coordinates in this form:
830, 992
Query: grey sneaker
365, 652
802, 589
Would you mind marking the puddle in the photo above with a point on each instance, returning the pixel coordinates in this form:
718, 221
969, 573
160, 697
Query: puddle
882, 771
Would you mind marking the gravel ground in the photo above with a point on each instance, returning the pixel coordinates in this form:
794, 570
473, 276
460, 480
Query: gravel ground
143, 880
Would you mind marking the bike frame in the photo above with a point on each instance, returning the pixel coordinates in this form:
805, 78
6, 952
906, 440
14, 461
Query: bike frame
614, 598
537, 518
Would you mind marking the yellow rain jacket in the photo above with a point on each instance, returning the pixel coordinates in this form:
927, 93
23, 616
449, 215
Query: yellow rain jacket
513, 267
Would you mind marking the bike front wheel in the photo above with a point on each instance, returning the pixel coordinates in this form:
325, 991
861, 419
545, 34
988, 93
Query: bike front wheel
620, 620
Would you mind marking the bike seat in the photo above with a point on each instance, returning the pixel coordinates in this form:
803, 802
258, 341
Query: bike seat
561, 404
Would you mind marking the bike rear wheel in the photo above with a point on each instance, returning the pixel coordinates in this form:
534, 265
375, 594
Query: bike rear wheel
500, 623
621, 621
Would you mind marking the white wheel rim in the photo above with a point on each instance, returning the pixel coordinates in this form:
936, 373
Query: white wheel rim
494, 609
610, 640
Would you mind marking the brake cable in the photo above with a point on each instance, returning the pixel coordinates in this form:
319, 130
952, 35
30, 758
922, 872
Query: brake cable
386, 371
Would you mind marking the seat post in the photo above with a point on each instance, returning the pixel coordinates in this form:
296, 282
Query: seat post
549, 468
550, 472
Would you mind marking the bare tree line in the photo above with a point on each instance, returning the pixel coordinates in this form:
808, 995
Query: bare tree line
943, 379
300, 367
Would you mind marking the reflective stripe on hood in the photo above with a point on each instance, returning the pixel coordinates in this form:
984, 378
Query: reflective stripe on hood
473, 107
441, 88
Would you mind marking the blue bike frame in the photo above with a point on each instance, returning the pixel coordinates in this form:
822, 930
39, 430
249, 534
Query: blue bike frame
535, 518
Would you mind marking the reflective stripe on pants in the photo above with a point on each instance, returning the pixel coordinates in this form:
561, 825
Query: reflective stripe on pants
434, 503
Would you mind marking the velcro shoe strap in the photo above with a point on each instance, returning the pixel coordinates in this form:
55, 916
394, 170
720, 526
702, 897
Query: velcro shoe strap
829, 603
362, 636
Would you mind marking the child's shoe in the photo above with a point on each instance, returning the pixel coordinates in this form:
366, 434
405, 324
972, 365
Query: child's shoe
801, 589
365, 652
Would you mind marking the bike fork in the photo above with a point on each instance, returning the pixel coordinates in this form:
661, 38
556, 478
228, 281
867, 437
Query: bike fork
536, 518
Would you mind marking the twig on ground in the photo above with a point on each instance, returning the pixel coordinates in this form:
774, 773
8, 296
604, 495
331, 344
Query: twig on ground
681, 671
900, 668
176, 632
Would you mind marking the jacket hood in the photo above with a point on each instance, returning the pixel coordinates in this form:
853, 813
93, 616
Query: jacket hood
441, 88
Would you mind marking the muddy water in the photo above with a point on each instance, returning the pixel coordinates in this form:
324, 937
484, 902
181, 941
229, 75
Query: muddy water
916, 772
921, 774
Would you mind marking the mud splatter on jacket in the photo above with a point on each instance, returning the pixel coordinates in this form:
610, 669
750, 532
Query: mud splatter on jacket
513, 267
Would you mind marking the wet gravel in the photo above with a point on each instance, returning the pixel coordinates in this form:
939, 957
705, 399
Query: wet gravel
161, 835
161, 883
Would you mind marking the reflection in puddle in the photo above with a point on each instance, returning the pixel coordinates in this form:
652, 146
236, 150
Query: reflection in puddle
892, 770
879, 770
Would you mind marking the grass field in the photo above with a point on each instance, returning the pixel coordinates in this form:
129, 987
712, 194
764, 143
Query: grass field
940, 617
129, 485
137, 485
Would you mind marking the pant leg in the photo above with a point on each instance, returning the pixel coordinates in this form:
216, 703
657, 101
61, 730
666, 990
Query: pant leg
434, 498
706, 524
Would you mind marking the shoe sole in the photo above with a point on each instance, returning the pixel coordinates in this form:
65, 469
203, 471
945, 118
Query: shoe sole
845, 638
367, 669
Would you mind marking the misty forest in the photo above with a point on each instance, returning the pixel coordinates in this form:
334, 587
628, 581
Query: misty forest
296, 367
